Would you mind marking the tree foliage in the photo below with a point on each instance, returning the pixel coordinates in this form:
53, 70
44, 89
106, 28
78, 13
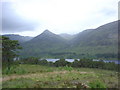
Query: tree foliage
9, 50
61, 62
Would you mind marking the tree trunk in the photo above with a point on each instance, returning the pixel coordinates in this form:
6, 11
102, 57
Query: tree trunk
8, 64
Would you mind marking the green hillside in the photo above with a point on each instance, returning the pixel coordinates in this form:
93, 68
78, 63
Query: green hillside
100, 42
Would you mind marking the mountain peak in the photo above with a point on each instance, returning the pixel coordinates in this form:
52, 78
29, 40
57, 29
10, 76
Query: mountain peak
44, 34
46, 31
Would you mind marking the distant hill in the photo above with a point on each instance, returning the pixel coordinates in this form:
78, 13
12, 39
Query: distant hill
92, 43
21, 39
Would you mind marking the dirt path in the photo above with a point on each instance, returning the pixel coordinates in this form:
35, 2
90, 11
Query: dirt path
11, 77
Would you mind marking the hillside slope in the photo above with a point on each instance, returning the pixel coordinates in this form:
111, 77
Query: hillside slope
99, 42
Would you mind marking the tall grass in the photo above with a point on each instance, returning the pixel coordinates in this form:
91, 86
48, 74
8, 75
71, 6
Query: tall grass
14, 70
26, 69
67, 68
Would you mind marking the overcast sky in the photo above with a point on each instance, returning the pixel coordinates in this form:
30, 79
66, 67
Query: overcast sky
31, 17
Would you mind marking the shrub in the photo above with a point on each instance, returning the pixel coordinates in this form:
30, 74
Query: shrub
14, 70
97, 84
68, 68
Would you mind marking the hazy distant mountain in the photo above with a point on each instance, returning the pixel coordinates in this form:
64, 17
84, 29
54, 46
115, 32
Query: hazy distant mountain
67, 36
92, 43
21, 39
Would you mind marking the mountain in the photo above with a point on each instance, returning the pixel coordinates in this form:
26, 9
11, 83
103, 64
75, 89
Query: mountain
44, 44
48, 36
21, 39
101, 42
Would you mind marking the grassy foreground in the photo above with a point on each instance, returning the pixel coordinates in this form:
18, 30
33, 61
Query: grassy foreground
36, 76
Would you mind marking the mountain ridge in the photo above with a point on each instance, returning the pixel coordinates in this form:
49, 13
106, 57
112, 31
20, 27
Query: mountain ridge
91, 43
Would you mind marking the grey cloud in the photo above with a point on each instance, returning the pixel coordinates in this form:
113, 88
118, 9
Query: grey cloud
12, 22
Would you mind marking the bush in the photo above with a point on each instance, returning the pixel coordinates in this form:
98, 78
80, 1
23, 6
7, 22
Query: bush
68, 68
97, 84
